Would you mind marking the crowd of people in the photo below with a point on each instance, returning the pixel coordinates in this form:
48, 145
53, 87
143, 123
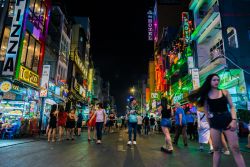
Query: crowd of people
214, 123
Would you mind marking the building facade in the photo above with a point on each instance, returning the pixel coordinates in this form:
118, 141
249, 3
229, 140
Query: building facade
221, 38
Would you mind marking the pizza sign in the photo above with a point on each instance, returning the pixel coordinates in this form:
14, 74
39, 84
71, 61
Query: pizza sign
5, 86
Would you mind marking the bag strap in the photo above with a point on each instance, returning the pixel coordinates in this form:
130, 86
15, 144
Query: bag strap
202, 117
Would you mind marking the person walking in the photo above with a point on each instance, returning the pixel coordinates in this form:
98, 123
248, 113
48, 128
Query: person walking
71, 123
62, 118
79, 123
180, 125
52, 123
132, 120
166, 114
91, 123
190, 125
215, 102
139, 124
152, 123
203, 130
100, 119
146, 124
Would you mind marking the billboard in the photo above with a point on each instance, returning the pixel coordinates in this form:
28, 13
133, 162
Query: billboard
14, 39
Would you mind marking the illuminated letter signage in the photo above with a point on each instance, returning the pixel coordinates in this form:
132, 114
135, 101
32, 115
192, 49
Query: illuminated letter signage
28, 76
15, 35
150, 25
185, 24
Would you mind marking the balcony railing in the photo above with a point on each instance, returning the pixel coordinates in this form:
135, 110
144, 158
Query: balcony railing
206, 21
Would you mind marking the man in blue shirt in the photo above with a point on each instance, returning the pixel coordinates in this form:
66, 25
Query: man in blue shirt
180, 124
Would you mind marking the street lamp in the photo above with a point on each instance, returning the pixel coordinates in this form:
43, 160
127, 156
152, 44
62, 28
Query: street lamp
132, 90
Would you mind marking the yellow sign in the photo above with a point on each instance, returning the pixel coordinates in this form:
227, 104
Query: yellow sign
5, 86
28, 76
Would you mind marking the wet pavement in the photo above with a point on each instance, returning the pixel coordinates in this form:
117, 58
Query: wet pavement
113, 152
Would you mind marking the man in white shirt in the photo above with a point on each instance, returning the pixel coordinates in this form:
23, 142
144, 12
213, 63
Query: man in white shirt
139, 124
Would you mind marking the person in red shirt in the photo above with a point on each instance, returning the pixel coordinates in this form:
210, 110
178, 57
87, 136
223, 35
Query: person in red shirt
91, 123
62, 118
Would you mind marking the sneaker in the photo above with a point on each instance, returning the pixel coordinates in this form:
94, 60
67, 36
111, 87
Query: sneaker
129, 142
201, 148
98, 142
226, 152
247, 146
134, 142
211, 151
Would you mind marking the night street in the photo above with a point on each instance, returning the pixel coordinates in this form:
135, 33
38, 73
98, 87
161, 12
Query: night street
113, 153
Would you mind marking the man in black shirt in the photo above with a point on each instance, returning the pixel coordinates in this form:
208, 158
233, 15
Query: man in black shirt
146, 124
152, 124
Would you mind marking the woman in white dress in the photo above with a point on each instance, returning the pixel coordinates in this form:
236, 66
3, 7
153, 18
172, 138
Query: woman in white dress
203, 130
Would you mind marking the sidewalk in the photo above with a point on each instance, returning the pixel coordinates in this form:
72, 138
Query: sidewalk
7, 143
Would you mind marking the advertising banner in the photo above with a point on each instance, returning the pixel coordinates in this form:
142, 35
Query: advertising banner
45, 81
14, 39
195, 78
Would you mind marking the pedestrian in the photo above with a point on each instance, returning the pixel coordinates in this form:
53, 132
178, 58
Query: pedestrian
111, 122
152, 124
62, 118
71, 123
221, 120
132, 120
166, 114
139, 124
101, 117
91, 123
203, 130
180, 125
146, 124
52, 123
190, 125
79, 123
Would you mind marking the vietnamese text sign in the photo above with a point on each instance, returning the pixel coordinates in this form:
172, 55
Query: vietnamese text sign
195, 78
45, 81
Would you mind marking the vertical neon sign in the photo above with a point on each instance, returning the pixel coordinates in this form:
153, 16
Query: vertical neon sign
15, 37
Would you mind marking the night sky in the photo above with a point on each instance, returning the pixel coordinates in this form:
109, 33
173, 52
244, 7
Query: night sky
119, 43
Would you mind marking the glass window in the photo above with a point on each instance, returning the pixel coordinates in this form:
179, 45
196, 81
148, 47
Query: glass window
32, 4
11, 8
4, 43
36, 57
37, 11
217, 50
232, 37
30, 54
25, 47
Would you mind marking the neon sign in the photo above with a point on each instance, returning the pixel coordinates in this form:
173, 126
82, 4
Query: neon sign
28, 76
186, 30
15, 36
150, 25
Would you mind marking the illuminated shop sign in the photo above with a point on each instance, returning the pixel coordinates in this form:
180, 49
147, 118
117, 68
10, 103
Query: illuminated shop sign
79, 64
5, 86
15, 36
186, 30
28, 76
150, 25
195, 78
178, 98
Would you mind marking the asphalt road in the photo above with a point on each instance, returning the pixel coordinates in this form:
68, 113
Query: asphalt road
113, 152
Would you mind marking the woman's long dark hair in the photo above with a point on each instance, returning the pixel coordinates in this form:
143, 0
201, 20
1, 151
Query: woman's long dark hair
200, 95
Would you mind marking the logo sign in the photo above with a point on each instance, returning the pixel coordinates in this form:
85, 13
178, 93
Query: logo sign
186, 30
195, 78
5, 86
14, 39
154, 95
45, 81
150, 25
28, 76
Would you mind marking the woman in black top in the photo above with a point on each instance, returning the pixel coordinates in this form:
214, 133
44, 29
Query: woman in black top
166, 113
52, 122
215, 102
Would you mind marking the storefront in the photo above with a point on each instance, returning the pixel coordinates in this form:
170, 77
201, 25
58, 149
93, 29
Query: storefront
19, 106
